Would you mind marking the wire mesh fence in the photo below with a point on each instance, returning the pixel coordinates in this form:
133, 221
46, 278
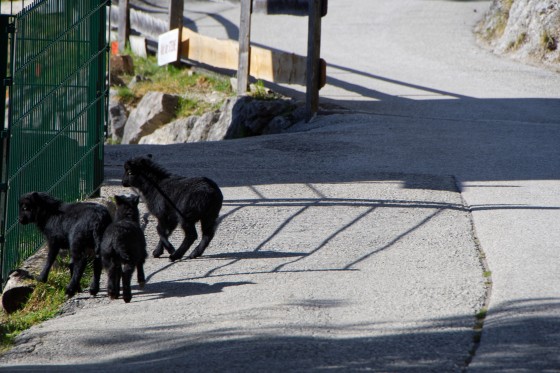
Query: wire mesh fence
53, 132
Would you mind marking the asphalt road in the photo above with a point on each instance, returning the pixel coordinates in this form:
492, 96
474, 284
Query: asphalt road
358, 241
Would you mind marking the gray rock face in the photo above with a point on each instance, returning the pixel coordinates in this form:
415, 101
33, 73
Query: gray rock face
154, 110
524, 29
220, 127
175, 132
117, 119
149, 122
251, 117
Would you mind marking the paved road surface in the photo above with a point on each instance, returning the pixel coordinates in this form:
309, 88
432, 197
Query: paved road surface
357, 241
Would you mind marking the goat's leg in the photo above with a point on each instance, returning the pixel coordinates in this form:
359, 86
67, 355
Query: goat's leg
51, 257
94, 285
208, 229
140, 275
190, 237
79, 267
113, 279
126, 279
164, 228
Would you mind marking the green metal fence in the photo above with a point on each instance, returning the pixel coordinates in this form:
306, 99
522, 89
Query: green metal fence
53, 58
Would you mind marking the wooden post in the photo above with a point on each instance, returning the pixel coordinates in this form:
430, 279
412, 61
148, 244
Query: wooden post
175, 21
316, 11
124, 24
176, 8
244, 47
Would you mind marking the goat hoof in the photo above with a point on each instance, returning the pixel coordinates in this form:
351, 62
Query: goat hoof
173, 258
157, 253
141, 284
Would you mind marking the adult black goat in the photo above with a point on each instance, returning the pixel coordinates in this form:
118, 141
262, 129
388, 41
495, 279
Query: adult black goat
174, 200
78, 227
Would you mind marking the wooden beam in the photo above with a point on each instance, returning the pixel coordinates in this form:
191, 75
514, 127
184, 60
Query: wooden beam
269, 65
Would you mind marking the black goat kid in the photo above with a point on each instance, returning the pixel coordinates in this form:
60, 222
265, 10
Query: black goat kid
124, 248
75, 226
174, 200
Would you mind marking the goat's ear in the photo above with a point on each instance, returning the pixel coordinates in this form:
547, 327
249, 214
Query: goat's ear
34, 195
135, 199
118, 199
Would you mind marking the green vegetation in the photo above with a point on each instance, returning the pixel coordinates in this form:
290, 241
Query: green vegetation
192, 86
514, 45
548, 41
480, 315
43, 304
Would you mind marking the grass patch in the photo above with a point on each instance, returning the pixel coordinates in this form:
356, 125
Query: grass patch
480, 315
192, 86
548, 41
44, 303
515, 45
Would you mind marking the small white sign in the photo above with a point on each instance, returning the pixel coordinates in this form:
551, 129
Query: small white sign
168, 47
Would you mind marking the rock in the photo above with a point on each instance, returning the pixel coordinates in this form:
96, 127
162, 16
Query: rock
117, 119
202, 127
116, 80
136, 79
122, 64
219, 129
277, 125
153, 111
527, 30
250, 117
175, 132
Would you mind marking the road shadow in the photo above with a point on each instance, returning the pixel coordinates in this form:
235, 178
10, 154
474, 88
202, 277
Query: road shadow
179, 289
427, 347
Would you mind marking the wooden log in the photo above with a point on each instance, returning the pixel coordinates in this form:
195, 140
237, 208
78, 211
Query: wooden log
19, 287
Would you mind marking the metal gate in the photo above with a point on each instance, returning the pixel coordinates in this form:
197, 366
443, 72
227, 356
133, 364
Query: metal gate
53, 63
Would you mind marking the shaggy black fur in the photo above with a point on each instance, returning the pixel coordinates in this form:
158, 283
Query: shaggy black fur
176, 200
75, 226
124, 248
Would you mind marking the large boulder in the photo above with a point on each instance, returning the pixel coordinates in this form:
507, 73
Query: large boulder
175, 132
251, 117
153, 111
238, 117
117, 119
202, 126
528, 30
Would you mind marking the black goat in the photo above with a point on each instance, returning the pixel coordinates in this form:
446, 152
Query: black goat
173, 199
124, 248
75, 226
